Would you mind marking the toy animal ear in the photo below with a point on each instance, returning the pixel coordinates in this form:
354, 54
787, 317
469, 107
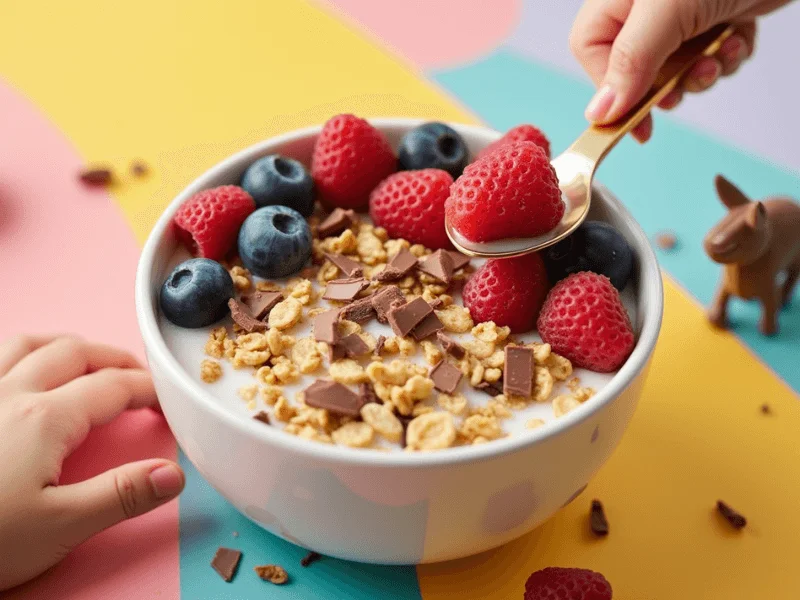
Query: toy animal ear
756, 214
730, 195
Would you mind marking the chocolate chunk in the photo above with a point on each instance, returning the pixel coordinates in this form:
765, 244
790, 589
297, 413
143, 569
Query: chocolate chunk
345, 290
242, 317
427, 327
353, 346
335, 353
492, 389
336, 222
261, 303
225, 562
139, 168
359, 311
346, 265
518, 371
438, 265
262, 416
459, 260
450, 346
324, 327
400, 264
406, 317
597, 519
736, 520
333, 397
436, 303
446, 377
383, 299
97, 177
379, 345
367, 393
309, 558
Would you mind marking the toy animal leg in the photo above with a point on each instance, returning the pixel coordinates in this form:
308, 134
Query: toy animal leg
718, 311
769, 313
792, 275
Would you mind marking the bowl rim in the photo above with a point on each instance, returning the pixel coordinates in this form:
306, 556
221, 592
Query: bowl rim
649, 312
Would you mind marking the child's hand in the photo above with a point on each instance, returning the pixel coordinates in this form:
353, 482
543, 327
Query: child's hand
622, 44
52, 392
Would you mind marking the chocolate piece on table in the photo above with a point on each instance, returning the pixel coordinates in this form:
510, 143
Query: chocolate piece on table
345, 290
333, 397
336, 222
225, 562
459, 260
403, 319
736, 520
597, 519
309, 558
400, 264
427, 327
324, 326
379, 345
262, 416
765, 409
367, 393
518, 371
139, 168
260, 303
346, 265
446, 377
492, 389
242, 317
384, 298
450, 346
353, 346
336, 352
98, 176
359, 311
438, 265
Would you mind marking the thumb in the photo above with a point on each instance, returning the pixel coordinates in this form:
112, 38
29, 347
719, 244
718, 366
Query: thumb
121, 493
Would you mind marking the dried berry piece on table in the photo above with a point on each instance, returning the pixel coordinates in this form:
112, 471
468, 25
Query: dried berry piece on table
597, 519
272, 573
736, 520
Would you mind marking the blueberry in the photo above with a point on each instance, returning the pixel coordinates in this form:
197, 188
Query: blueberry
595, 246
274, 241
277, 180
433, 146
196, 293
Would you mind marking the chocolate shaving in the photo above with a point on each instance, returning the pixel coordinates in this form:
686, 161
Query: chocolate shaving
333, 397
309, 558
263, 417
597, 519
736, 520
360, 311
765, 409
438, 265
346, 265
400, 264
492, 389
324, 327
403, 319
379, 345
345, 290
335, 353
518, 371
459, 260
450, 346
261, 303
242, 317
336, 222
367, 393
427, 327
225, 562
446, 377
353, 346
383, 299
98, 177
139, 168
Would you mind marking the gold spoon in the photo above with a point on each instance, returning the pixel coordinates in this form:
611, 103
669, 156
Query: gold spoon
575, 166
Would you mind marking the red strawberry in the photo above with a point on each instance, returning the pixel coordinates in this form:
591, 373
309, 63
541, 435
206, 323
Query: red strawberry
583, 319
208, 222
520, 133
508, 291
410, 205
559, 583
350, 158
509, 193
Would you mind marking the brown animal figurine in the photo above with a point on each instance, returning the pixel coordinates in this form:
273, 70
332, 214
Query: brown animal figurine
756, 241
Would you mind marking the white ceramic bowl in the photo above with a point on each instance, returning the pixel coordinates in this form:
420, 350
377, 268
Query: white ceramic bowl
393, 508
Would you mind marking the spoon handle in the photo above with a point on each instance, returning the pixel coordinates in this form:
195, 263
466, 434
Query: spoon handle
598, 140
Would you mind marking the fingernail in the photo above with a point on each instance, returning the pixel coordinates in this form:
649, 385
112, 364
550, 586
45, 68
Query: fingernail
600, 104
708, 73
166, 480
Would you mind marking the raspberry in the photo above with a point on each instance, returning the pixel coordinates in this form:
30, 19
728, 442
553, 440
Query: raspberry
350, 158
559, 583
584, 320
208, 222
508, 291
510, 193
520, 133
410, 205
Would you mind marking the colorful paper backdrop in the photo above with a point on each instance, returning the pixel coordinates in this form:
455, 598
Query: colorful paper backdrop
183, 84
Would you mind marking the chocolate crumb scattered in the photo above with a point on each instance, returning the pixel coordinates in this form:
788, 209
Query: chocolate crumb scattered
666, 240
765, 409
97, 176
262, 416
597, 519
139, 168
309, 558
225, 562
736, 520
272, 573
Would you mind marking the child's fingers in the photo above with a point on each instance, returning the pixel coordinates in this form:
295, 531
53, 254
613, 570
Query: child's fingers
18, 347
122, 493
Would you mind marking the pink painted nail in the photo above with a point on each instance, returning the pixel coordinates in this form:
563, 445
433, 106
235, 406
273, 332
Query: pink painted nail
600, 104
166, 481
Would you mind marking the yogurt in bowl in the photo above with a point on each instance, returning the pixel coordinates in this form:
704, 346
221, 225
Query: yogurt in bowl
362, 496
